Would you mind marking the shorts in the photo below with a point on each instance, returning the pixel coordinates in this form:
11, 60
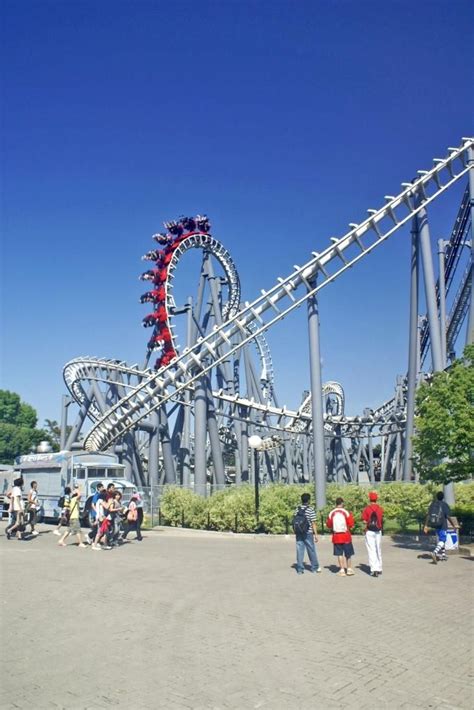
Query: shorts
442, 535
74, 526
344, 548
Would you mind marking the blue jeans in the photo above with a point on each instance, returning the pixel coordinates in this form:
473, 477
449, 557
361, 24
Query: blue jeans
308, 544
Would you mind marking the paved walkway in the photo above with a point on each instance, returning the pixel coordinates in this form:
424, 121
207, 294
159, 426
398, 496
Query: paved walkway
215, 622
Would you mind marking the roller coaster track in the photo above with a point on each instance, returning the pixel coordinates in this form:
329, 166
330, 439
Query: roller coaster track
287, 295
176, 243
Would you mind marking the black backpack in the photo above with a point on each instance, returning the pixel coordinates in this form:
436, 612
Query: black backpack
436, 515
61, 502
373, 524
300, 523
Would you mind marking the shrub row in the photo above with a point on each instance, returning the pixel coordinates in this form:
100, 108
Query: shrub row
234, 508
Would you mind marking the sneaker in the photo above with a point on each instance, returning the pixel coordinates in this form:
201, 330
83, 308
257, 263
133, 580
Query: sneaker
341, 573
350, 572
107, 547
319, 570
434, 558
35, 533
56, 532
95, 547
81, 544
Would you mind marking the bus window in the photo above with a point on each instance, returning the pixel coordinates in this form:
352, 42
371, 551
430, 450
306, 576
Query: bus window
80, 473
116, 473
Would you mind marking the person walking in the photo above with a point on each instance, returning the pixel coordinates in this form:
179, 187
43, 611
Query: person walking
437, 517
64, 503
16, 510
90, 537
74, 522
340, 521
33, 507
372, 515
304, 526
133, 519
103, 518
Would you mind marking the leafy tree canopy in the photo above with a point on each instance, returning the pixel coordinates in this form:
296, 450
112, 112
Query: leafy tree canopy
14, 411
443, 445
18, 434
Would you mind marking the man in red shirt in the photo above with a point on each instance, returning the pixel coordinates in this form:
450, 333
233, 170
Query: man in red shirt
372, 515
340, 521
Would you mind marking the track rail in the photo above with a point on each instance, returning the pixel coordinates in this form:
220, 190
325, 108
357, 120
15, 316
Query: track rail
286, 296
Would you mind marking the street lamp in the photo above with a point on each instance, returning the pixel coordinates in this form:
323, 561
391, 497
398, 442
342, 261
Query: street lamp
255, 443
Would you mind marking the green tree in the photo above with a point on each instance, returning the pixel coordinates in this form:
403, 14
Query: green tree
14, 411
18, 434
443, 445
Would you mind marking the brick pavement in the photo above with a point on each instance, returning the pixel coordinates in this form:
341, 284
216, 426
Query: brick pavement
212, 622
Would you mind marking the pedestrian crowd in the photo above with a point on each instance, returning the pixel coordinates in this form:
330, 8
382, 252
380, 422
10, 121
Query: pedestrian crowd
110, 519
341, 521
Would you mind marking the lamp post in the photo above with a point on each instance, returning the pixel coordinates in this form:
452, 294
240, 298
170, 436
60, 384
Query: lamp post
255, 443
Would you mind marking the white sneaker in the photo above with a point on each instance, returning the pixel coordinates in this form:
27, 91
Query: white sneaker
35, 533
96, 547
320, 569
56, 532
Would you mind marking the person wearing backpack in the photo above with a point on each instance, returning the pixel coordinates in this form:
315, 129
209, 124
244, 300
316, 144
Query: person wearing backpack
437, 518
63, 505
372, 515
340, 521
304, 527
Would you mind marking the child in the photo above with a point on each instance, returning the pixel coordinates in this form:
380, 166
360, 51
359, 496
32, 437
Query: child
340, 520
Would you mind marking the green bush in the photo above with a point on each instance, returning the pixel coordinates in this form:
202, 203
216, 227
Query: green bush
404, 504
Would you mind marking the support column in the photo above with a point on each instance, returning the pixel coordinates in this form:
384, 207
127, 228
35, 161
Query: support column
316, 403
66, 401
168, 461
200, 462
442, 300
430, 291
216, 449
185, 453
244, 452
154, 451
412, 352
470, 320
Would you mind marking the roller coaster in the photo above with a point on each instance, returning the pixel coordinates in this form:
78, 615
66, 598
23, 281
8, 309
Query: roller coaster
187, 419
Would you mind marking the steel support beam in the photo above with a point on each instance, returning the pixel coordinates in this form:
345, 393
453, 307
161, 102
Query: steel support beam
317, 414
412, 352
200, 436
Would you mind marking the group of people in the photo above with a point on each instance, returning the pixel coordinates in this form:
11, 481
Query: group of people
111, 520
340, 521
22, 513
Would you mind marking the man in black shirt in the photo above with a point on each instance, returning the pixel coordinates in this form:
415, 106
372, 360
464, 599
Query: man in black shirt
437, 517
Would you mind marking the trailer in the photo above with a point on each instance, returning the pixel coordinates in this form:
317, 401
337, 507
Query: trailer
54, 471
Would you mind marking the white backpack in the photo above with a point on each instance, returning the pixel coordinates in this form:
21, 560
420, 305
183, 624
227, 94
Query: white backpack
339, 521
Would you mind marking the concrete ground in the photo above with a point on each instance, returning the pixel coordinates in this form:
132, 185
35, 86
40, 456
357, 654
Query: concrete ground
211, 621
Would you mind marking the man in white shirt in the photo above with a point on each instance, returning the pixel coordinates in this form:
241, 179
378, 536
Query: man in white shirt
16, 509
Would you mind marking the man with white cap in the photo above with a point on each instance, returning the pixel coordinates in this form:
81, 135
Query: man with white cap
372, 515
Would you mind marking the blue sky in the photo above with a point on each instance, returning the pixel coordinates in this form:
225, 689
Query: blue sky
283, 121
